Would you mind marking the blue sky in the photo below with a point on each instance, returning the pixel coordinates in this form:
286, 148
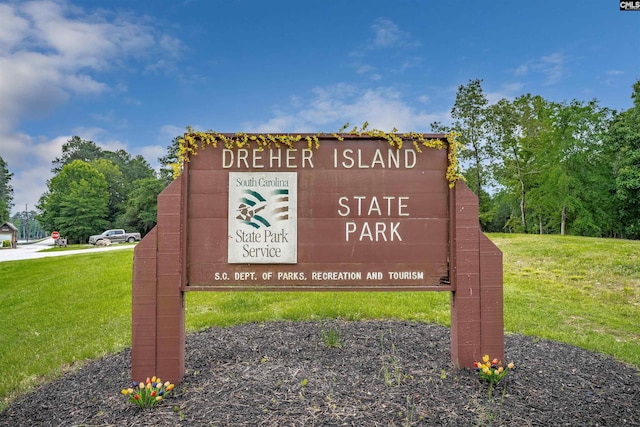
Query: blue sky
132, 74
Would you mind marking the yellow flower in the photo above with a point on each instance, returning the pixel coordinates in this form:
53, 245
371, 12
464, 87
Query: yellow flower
489, 372
170, 387
149, 386
485, 358
159, 398
141, 385
158, 385
153, 380
500, 369
167, 384
130, 390
125, 391
511, 365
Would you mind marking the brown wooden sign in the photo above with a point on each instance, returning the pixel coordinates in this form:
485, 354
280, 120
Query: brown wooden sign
368, 217
354, 214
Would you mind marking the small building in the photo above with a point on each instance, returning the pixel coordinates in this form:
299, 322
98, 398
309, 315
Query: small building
8, 233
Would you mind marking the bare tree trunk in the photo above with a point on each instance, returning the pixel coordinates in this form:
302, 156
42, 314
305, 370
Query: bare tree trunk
563, 220
523, 192
540, 223
522, 206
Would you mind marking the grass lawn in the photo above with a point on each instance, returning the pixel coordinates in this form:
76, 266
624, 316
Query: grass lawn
57, 312
578, 290
61, 310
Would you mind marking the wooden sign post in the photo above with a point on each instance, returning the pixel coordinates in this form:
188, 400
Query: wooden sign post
353, 214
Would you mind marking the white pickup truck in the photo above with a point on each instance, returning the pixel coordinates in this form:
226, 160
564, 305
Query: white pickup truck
115, 236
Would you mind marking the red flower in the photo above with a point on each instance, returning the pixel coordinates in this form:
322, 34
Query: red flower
153, 393
136, 397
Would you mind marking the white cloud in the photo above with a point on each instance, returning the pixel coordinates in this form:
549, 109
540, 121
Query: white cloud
328, 108
30, 162
388, 34
12, 28
364, 69
101, 137
16, 151
84, 84
508, 91
27, 190
610, 77
552, 67
51, 51
521, 70
48, 149
281, 123
512, 87
168, 132
151, 153
30, 87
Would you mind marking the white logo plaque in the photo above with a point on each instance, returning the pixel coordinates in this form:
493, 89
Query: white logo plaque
263, 218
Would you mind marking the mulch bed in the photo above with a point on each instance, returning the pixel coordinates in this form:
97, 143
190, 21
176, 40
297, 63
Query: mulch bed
385, 373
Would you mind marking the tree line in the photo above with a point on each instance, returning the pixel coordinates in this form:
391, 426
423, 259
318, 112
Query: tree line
92, 190
537, 166
95, 189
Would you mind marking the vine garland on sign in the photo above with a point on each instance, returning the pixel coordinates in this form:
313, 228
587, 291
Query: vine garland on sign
194, 141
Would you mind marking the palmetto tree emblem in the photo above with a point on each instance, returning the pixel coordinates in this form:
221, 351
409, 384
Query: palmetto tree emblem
256, 211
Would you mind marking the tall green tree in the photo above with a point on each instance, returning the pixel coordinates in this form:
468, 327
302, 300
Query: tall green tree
76, 148
142, 207
6, 191
519, 131
76, 203
121, 170
469, 115
470, 122
168, 160
132, 168
623, 141
117, 187
575, 174
28, 226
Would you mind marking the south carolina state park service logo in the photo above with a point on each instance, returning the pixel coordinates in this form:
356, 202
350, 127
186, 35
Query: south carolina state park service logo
258, 211
262, 218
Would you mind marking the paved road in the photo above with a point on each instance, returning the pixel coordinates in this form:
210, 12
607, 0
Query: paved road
32, 251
